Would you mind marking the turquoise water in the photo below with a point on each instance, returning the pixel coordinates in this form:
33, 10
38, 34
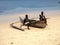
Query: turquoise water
25, 6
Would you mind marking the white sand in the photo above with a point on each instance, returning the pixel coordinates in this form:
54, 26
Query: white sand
47, 36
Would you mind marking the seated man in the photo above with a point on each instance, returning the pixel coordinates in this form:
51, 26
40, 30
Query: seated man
42, 17
26, 21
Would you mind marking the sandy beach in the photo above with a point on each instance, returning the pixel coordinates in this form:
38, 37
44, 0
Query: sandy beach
35, 36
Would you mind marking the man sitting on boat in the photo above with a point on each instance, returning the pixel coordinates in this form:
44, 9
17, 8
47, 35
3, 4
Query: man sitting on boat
26, 21
42, 17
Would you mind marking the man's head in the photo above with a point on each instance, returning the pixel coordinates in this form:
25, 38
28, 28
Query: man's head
26, 16
42, 13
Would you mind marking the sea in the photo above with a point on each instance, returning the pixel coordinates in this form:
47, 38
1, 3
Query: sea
27, 6
15, 7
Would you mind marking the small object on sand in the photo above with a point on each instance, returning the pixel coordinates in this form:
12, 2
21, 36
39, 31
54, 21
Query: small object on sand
11, 42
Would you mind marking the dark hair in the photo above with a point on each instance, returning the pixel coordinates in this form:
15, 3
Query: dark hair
42, 13
26, 16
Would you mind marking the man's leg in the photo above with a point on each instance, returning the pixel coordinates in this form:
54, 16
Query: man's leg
28, 26
45, 21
